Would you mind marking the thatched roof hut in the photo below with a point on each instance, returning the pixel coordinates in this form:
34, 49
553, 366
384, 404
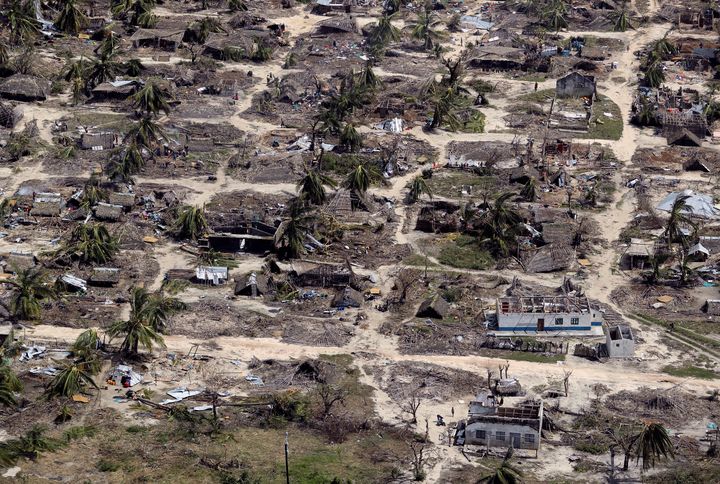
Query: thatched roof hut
96, 141
550, 258
108, 211
435, 307
162, 39
350, 207
712, 307
254, 285
21, 87
46, 209
348, 297
105, 276
338, 25
115, 90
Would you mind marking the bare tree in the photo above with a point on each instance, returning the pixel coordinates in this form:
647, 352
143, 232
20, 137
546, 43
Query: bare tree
329, 395
419, 452
566, 380
410, 404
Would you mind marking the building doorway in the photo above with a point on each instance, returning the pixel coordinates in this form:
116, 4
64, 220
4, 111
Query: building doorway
541, 324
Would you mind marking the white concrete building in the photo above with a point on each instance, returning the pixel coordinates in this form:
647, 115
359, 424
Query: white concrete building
548, 315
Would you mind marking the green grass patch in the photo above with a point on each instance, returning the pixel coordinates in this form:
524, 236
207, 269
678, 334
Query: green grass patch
602, 126
475, 123
449, 183
465, 253
418, 260
689, 371
533, 78
688, 332
526, 356
541, 96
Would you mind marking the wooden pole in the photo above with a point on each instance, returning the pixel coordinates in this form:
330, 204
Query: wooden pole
287, 464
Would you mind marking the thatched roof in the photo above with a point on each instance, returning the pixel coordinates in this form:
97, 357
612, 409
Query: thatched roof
125, 200
338, 25
169, 36
107, 211
46, 209
253, 285
562, 232
25, 88
245, 19
18, 261
435, 307
349, 207
348, 297
550, 258
105, 275
640, 248
105, 140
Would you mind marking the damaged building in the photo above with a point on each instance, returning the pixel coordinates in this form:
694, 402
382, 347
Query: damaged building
549, 315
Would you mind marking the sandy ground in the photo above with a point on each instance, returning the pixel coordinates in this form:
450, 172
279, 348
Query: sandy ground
368, 345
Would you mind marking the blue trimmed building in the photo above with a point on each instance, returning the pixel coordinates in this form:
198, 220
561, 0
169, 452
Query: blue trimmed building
548, 315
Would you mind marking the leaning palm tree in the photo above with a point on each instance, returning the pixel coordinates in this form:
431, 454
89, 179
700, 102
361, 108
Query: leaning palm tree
554, 15
206, 26
145, 133
312, 187
384, 32
360, 179
71, 19
9, 385
136, 12
191, 222
136, 333
678, 221
622, 20
92, 243
663, 49
444, 106
22, 21
654, 74
154, 309
152, 99
86, 345
418, 187
529, 191
500, 224
133, 67
367, 78
30, 289
505, 473
424, 28
102, 70
73, 378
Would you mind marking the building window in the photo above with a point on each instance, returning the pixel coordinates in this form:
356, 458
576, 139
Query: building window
559, 321
500, 436
529, 438
574, 321
480, 435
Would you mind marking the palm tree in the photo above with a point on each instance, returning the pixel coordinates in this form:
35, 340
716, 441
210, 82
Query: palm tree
71, 19
646, 114
31, 287
152, 99
129, 163
146, 133
92, 193
500, 224
191, 222
454, 23
649, 443
367, 78
102, 70
9, 385
29, 446
237, 6
678, 221
92, 243
154, 309
350, 138
622, 21
360, 179
654, 74
663, 49
134, 67
86, 345
137, 331
73, 378
109, 45
312, 186
423, 29
384, 32
418, 187
444, 106
203, 28
291, 234
529, 191
555, 15
22, 21
505, 473
136, 12
262, 52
